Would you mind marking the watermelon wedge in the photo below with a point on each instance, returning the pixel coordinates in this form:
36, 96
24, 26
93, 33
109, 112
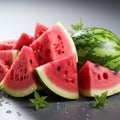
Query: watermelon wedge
95, 79
8, 56
7, 44
23, 40
60, 76
39, 30
20, 80
53, 44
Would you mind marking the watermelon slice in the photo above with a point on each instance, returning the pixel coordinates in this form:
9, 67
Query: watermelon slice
8, 56
20, 80
39, 30
95, 79
60, 76
7, 44
24, 39
53, 44
3, 70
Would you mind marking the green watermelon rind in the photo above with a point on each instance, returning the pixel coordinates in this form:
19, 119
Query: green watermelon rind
18, 93
73, 47
98, 45
57, 90
92, 92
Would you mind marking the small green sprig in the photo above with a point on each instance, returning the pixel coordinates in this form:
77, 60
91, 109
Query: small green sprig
39, 101
78, 25
100, 100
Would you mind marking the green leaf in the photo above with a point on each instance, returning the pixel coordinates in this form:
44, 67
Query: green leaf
40, 102
78, 25
100, 100
36, 94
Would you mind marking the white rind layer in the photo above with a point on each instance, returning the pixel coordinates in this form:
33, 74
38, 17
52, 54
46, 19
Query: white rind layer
93, 92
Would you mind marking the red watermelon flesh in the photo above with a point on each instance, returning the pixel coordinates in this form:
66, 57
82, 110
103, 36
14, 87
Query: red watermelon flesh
53, 44
39, 30
95, 79
7, 44
3, 70
20, 80
24, 40
8, 56
60, 76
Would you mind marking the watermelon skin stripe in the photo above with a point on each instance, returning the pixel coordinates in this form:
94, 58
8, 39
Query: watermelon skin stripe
99, 46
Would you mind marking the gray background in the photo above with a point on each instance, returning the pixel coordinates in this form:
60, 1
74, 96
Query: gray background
21, 16
17, 16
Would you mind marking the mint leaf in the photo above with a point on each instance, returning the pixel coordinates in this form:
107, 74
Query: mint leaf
78, 25
100, 100
36, 95
40, 102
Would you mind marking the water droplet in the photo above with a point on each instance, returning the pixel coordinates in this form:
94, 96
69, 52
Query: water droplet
58, 105
66, 104
66, 112
87, 115
0, 104
5, 94
35, 51
83, 109
106, 104
6, 102
19, 114
38, 50
9, 111
2, 100
86, 118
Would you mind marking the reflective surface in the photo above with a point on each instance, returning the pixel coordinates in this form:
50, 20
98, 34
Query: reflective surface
17, 17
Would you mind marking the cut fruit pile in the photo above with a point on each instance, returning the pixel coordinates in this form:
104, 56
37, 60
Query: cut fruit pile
47, 58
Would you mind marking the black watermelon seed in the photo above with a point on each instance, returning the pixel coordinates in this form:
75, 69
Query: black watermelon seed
58, 68
40, 57
30, 61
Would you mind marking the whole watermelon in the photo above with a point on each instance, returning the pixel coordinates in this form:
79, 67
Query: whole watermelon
98, 45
